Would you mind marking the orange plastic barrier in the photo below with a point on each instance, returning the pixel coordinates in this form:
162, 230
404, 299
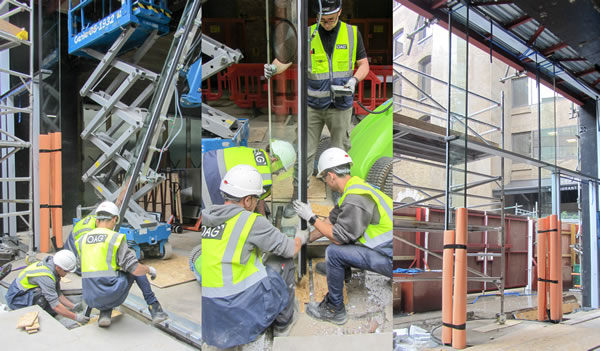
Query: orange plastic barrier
448, 267
542, 228
555, 267
56, 189
459, 308
44, 176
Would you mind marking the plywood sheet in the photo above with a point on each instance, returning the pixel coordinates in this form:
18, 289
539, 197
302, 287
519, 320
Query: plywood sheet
27, 320
283, 189
321, 210
303, 292
95, 318
496, 326
175, 270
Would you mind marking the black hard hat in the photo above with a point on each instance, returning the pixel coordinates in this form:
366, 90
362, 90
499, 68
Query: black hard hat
328, 7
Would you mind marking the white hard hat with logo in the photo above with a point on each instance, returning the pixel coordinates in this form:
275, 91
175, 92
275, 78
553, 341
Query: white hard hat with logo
66, 260
331, 158
107, 207
241, 181
285, 152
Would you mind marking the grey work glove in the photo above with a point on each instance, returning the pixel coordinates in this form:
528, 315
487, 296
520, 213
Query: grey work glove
81, 318
303, 235
270, 70
152, 272
303, 210
78, 307
351, 83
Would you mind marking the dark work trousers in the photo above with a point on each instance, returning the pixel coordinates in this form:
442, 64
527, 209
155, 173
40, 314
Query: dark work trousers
285, 267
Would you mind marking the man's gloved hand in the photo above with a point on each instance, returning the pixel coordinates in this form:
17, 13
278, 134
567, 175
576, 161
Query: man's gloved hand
303, 210
81, 318
303, 235
78, 307
333, 215
351, 83
152, 272
270, 70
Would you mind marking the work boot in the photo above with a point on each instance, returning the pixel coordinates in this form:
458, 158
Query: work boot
285, 330
157, 313
105, 318
325, 311
321, 268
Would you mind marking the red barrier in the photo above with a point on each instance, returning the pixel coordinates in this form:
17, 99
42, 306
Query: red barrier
246, 82
249, 88
212, 89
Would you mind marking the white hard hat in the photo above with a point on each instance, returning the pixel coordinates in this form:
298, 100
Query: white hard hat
108, 207
241, 181
285, 152
332, 157
66, 260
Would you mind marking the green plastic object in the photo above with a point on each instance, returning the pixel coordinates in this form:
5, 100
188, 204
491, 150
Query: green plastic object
371, 139
576, 278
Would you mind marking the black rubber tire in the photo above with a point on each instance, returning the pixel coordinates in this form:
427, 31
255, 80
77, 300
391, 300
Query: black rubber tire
381, 175
324, 144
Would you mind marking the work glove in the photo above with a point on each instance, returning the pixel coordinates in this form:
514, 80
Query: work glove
351, 83
81, 318
152, 272
303, 210
333, 215
78, 307
270, 70
303, 235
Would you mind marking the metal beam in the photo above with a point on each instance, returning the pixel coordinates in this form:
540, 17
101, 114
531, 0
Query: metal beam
554, 48
519, 21
535, 35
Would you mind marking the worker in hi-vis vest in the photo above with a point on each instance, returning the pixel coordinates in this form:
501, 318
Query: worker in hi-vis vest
336, 49
242, 296
280, 157
360, 227
109, 267
83, 226
39, 284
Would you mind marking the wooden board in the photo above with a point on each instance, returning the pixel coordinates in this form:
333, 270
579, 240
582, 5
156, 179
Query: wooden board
321, 210
303, 292
95, 318
283, 189
35, 326
8, 27
531, 313
496, 326
174, 271
27, 320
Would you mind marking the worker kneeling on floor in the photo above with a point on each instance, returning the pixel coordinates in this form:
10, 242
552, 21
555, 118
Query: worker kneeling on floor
39, 284
360, 227
241, 295
109, 267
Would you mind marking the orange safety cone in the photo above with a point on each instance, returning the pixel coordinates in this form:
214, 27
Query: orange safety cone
448, 267
555, 266
44, 194
459, 307
56, 194
541, 267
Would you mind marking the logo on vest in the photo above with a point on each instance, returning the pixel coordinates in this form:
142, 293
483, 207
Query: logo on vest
341, 46
96, 238
212, 232
260, 158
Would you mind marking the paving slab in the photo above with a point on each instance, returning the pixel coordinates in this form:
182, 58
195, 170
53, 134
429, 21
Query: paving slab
334, 342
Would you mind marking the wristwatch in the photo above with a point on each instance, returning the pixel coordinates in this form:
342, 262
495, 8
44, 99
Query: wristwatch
312, 220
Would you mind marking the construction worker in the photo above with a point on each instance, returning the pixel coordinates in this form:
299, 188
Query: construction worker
335, 50
109, 267
39, 284
360, 227
241, 295
216, 163
83, 226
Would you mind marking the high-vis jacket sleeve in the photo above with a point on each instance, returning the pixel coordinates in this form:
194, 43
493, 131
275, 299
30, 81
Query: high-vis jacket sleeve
357, 212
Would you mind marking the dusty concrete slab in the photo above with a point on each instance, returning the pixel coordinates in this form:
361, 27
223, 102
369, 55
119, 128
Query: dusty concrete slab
126, 333
334, 342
